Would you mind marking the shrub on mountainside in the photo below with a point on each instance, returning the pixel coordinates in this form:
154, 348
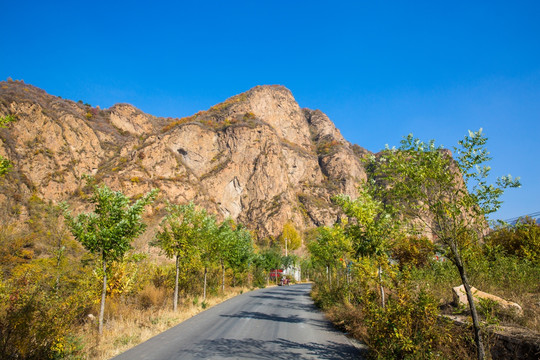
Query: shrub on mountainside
41, 300
5, 164
521, 240
327, 147
413, 251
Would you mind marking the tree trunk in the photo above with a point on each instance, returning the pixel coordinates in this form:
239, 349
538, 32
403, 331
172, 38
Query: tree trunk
57, 282
348, 277
60, 250
175, 300
476, 323
204, 288
329, 276
222, 277
103, 294
381, 285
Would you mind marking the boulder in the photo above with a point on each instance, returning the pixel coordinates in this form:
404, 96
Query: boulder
460, 298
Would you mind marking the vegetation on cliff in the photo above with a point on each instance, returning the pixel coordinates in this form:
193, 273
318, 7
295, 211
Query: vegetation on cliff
5, 164
234, 159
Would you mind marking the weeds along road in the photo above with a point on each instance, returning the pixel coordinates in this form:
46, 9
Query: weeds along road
272, 323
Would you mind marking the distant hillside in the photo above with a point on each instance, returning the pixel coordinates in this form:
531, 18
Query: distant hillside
257, 157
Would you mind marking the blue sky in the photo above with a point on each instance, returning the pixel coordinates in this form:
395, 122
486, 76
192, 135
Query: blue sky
379, 69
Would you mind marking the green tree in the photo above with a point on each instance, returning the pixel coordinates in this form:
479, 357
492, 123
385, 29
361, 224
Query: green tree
330, 248
240, 251
268, 260
4, 120
371, 227
5, 164
449, 196
521, 240
109, 230
306, 266
290, 238
208, 245
225, 241
178, 238
289, 261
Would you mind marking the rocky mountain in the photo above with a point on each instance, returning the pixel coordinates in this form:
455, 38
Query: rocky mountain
257, 157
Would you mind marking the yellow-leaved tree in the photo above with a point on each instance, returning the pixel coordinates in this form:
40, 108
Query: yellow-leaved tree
290, 239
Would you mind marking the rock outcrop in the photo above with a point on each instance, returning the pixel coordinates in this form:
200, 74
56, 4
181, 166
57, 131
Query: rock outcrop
257, 157
460, 298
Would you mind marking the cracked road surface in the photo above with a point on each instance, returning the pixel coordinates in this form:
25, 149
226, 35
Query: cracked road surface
272, 323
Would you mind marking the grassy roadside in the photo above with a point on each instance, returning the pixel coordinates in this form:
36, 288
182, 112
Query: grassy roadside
130, 325
415, 323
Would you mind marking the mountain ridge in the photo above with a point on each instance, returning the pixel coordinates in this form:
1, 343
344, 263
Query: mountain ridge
257, 157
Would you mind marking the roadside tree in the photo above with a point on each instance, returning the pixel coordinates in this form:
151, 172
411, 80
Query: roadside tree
207, 245
371, 227
268, 260
178, 237
240, 252
290, 239
331, 248
448, 196
109, 230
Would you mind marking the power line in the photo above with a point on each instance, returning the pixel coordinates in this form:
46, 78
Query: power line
531, 215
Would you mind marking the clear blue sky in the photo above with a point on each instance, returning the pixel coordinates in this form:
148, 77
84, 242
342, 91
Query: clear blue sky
379, 69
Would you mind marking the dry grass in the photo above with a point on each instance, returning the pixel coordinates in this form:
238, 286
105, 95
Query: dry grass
350, 320
130, 324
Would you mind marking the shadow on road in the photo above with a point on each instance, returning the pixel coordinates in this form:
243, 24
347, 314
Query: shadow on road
294, 319
273, 349
270, 317
272, 297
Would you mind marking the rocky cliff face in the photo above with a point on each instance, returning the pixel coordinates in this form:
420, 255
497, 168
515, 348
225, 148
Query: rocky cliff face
257, 157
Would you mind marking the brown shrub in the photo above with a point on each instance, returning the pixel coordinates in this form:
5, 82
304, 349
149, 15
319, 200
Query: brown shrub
349, 319
151, 296
413, 251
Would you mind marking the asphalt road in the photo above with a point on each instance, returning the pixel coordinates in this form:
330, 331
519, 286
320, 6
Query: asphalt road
272, 323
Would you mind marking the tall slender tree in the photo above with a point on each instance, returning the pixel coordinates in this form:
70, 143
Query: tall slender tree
208, 246
330, 245
108, 230
290, 238
225, 243
371, 226
449, 196
178, 237
241, 251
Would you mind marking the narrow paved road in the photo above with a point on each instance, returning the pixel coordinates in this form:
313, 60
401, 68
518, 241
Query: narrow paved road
273, 323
